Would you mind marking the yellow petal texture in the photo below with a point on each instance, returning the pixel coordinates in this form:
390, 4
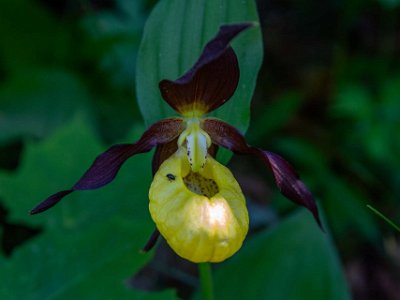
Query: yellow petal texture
203, 216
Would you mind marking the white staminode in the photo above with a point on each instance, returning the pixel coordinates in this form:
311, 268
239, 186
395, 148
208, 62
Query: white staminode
197, 143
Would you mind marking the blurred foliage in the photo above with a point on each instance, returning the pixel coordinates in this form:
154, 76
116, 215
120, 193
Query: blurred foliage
91, 241
56, 95
272, 261
327, 99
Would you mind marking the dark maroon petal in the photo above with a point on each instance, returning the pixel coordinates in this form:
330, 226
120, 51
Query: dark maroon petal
227, 136
106, 165
152, 241
213, 78
285, 176
49, 202
288, 182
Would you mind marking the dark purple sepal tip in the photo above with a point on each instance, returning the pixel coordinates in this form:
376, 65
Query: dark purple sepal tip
151, 241
289, 183
50, 202
220, 42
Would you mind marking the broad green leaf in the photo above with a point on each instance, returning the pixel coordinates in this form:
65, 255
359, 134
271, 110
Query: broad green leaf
35, 101
90, 241
80, 263
293, 260
173, 39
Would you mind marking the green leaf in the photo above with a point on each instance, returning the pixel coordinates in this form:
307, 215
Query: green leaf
35, 101
174, 37
81, 263
90, 241
293, 260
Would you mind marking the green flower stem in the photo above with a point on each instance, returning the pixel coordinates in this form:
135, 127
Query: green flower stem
206, 281
390, 222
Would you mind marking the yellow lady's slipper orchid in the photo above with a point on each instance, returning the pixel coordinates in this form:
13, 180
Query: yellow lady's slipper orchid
196, 203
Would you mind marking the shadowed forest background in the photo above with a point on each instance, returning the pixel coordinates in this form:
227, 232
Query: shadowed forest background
327, 99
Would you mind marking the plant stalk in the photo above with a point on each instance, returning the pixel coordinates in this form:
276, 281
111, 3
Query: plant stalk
206, 281
386, 219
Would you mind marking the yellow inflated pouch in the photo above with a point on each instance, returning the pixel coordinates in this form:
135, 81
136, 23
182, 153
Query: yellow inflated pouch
202, 215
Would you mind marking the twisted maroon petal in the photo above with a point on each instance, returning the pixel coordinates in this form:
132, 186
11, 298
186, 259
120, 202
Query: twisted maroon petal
50, 201
106, 165
213, 78
286, 178
151, 241
288, 181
